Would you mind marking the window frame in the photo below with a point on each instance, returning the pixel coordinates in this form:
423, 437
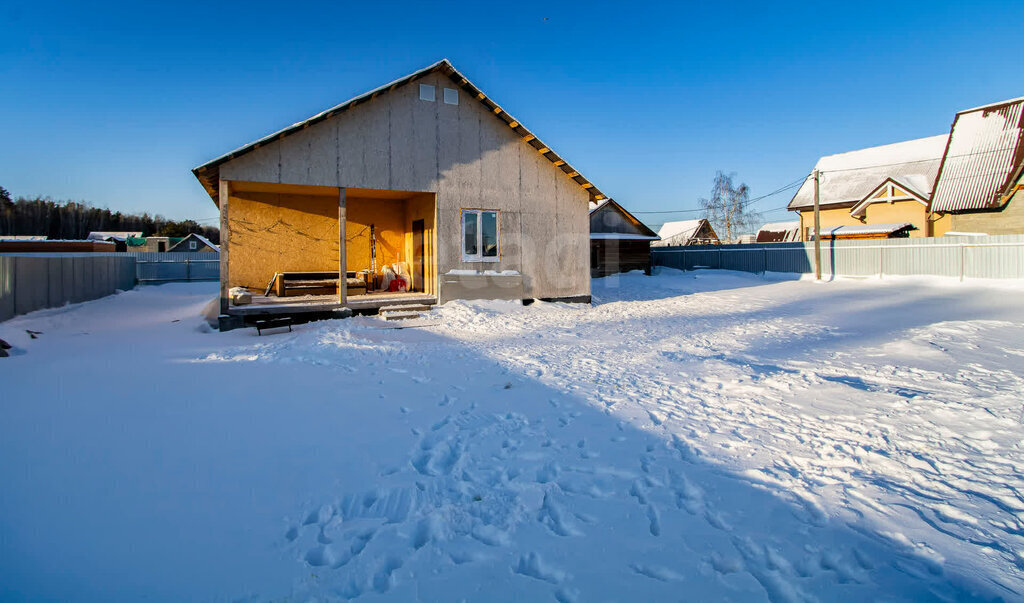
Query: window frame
479, 255
193, 245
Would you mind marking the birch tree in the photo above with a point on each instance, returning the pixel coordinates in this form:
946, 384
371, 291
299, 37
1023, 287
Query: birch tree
726, 208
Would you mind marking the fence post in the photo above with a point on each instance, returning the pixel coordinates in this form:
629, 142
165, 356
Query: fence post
188, 270
765, 271
719, 258
962, 246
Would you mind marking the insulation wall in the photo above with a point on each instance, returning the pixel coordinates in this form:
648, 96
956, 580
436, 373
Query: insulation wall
465, 155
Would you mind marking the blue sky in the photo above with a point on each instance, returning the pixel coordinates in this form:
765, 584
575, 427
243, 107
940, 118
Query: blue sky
114, 103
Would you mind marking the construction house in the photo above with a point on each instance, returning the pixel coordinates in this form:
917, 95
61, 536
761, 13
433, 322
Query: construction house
423, 190
618, 241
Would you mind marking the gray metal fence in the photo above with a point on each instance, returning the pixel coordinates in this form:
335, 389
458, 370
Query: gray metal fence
963, 257
34, 281
177, 266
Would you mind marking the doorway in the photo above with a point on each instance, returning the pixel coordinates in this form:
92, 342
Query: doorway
418, 274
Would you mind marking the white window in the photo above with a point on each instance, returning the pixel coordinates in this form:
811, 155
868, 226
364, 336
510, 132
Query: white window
427, 92
480, 233
451, 96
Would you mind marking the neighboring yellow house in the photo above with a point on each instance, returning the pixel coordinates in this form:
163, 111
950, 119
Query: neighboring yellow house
979, 188
885, 187
970, 181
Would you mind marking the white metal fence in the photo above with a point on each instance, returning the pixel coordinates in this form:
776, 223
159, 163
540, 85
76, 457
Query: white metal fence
963, 257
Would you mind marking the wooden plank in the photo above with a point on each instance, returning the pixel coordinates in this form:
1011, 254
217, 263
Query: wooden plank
342, 260
225, 300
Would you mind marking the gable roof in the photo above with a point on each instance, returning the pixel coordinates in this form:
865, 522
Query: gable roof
985, 156
643, 232
912, 195
847, 178
680, 227
681, 232
199, 238
209, 172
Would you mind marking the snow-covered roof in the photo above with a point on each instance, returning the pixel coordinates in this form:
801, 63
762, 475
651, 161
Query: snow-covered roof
846, 178
985, 157
198, 237
622, 236
208, 174
23, 238
779, 232
780, 226
863, 229
679, 228
120, 235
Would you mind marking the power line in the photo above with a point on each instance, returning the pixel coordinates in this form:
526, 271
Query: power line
746, 204
879, 165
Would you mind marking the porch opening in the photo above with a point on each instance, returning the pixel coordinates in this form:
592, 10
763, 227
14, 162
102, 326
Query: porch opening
285, 247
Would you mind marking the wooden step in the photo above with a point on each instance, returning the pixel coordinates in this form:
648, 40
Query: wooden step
405, 308
395, 315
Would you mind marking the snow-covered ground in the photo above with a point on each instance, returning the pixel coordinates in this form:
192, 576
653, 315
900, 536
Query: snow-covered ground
699, 436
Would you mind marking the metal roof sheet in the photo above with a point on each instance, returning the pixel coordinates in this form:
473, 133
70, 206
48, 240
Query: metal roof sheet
863, 229
849, 177
984, 157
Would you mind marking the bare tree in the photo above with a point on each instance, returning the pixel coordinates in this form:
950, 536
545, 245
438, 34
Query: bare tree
727, 209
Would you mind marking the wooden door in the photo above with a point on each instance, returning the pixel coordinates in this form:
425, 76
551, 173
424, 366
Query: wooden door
418, 275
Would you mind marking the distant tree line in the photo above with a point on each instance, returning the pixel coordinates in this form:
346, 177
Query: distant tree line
74, 220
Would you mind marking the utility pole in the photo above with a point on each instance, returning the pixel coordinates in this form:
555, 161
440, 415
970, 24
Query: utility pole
817, 228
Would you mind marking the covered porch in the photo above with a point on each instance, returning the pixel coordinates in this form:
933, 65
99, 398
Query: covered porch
299, 249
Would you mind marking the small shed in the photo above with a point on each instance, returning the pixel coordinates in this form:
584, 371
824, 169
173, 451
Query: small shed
195, 242
686, 232
619, 242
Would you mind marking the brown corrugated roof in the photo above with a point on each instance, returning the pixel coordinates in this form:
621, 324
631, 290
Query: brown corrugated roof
209, 173
984, 157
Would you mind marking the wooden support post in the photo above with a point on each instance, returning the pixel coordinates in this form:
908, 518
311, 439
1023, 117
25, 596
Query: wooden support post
225, 298
817, 228
342, 260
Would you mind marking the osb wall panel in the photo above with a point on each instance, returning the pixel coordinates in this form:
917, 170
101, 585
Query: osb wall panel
280, 233
388, 219
422, 208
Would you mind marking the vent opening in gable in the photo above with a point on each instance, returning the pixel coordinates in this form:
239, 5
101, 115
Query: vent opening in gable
427, 93
451, 96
